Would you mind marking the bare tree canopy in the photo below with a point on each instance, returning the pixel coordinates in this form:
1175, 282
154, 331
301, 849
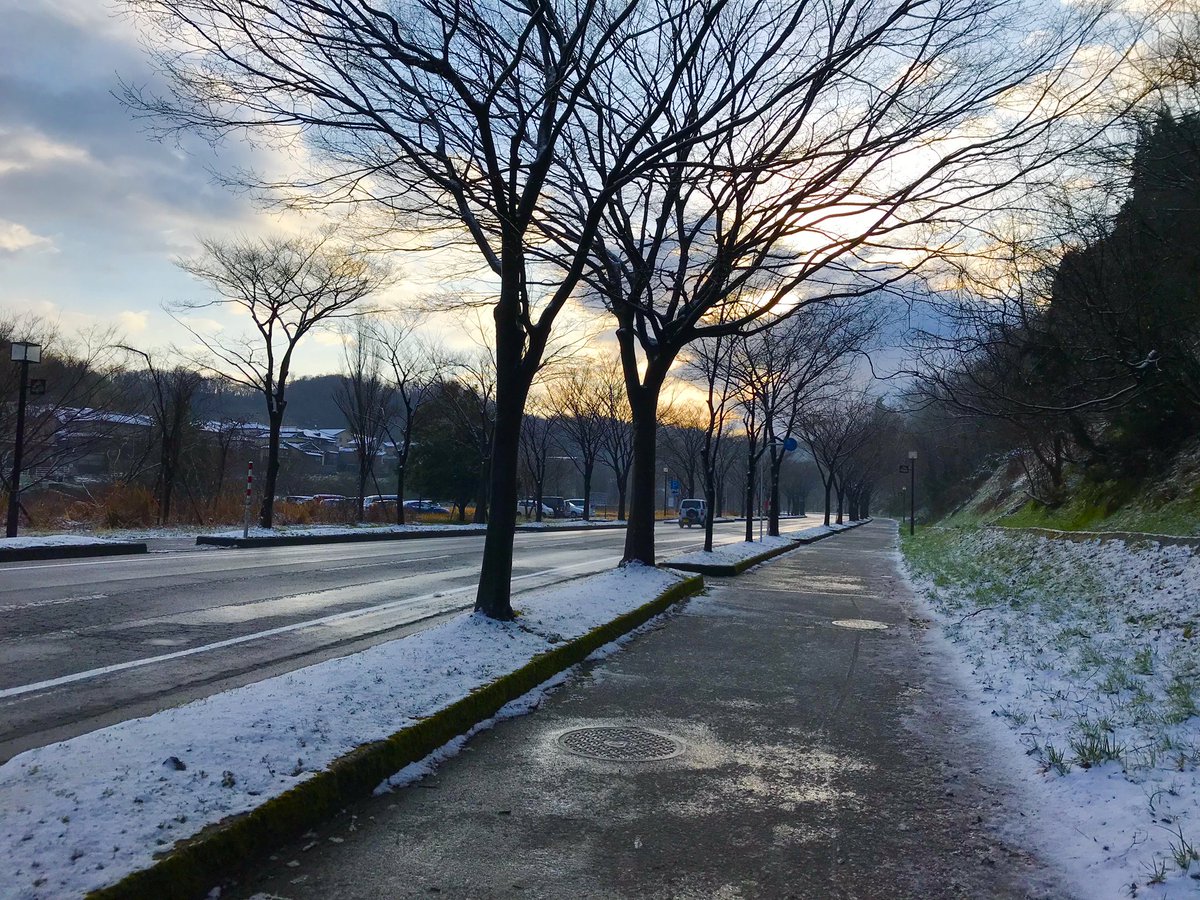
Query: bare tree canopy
286, 287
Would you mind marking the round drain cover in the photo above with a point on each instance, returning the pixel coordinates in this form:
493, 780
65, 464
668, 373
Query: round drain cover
860, 624
625, 744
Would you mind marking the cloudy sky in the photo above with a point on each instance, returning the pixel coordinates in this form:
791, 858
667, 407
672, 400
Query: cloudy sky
93, 211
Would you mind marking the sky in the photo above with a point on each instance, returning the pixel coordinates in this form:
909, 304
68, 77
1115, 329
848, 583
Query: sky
93, 211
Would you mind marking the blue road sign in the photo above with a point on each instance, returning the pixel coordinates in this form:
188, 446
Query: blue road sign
790, 444
674, 485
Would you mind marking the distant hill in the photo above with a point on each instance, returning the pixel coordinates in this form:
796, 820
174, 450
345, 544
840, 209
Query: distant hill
310, 403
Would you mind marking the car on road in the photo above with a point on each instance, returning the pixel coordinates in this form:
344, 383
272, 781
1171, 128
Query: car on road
691, 513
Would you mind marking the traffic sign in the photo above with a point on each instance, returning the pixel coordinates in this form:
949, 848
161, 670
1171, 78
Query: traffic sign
790, 444
674, 485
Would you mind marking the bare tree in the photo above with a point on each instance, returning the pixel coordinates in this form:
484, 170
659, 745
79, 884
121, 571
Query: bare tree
783, 369
287, 287
833, 429
413, 369
711, 366
835, 149
172, 409
580, 401
538, 430
365, 401
616, 437
81, 409
444, 116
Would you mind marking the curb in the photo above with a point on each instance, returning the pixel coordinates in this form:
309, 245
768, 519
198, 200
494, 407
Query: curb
741, 566
68, 551
190, 869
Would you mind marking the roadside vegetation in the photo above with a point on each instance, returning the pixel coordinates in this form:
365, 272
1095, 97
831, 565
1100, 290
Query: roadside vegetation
1090, 654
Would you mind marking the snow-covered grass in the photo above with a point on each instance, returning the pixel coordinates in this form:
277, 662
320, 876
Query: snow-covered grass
1089, 652
53, 540
85, 812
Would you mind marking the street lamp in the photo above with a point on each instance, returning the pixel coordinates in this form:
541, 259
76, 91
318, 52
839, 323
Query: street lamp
26, 354
912, 492
665, 471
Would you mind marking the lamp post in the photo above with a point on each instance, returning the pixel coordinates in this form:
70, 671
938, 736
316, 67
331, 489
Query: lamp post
912, 492
26, 354
665, 485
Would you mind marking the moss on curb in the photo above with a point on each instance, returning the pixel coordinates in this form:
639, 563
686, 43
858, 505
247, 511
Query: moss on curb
191, 867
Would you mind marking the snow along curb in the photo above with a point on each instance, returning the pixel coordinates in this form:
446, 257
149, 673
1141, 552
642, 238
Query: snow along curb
69, 551
386, 533
195, 864
740, 566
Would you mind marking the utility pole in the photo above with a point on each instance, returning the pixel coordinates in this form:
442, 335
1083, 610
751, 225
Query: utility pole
26, 354
912, 492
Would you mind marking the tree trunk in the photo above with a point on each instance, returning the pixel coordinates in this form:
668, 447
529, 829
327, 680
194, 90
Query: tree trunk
266, 516
622, 486
639, 535
751, 483
588, 467
481, 496
400, 464
841, 499
828, 483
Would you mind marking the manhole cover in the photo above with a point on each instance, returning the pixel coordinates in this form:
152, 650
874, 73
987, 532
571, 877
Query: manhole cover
620, 743
860, 624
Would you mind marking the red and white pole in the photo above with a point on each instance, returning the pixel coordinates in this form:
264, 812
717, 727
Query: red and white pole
246, 510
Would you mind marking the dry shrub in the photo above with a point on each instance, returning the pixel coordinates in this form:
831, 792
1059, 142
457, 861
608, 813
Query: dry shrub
125, 506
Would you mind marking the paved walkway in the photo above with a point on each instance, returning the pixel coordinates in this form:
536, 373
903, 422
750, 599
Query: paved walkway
817, 762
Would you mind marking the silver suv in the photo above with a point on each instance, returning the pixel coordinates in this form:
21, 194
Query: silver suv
691, 512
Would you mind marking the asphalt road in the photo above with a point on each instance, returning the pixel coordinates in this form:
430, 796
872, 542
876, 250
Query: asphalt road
86, 643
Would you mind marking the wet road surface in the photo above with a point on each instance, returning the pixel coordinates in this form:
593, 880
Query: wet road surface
86, 643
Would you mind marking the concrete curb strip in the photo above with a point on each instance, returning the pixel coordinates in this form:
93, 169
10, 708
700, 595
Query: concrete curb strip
68, 551
298, 540
190, 868
742, 565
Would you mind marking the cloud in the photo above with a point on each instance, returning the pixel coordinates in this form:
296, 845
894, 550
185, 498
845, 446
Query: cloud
15, 237
133, 322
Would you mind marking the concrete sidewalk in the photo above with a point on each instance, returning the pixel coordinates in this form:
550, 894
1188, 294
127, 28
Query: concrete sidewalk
816, 760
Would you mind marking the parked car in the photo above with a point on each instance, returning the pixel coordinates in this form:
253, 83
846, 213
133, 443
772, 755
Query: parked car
691, 512
558, 506
575, 508
425, 506
377, 499
528, 508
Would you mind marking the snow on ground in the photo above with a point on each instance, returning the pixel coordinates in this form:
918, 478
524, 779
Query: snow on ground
329, 530
730, 554
83, 813
1089, 654
52, 540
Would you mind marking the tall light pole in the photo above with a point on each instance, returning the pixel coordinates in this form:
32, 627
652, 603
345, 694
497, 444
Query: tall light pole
26, 354
912, 492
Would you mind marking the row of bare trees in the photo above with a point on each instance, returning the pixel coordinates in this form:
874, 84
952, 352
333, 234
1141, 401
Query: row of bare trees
699, 171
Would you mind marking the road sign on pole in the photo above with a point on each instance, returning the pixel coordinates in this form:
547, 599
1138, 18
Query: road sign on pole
790, 444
